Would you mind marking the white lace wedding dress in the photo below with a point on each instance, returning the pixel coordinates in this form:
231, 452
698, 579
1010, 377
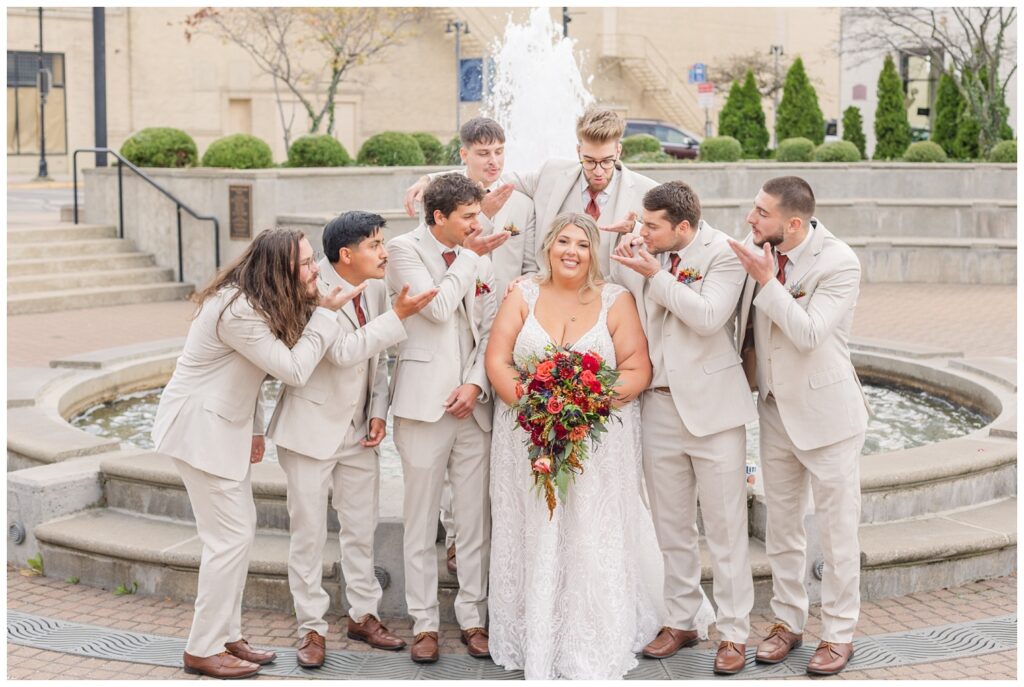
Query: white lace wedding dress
577, 596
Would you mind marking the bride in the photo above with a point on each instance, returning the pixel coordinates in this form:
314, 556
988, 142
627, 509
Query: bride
576, 596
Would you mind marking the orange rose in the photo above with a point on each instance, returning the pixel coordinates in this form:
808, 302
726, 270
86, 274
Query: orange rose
555, 405
544, 370
519, 390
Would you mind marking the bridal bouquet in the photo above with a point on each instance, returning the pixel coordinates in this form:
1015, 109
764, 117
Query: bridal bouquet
563, 400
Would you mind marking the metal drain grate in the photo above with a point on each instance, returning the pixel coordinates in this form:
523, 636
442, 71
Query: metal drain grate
902, 648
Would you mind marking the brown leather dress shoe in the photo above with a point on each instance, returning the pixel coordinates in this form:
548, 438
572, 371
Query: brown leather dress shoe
371, 631
223, 666
424, 648
777, 645
312, 650
730, 659
669, 641
830, 658
453, 567
475, 639
242, 650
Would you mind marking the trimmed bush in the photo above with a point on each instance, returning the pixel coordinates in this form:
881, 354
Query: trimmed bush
837, 151
238, 151
451, 151
797, 149
433, 149
948, 105
924, 151
743, 118
853, 129
160, 147
892, 128
318, 151
391, 149
647, 156
639, 143
720, 149
799, 114
1004, 151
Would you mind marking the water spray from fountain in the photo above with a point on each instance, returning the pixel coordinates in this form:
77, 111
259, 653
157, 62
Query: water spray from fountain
538, 92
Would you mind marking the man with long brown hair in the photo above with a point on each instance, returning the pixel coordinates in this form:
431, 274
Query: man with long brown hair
261, 315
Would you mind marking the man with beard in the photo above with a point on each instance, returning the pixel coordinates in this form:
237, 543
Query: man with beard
803, 285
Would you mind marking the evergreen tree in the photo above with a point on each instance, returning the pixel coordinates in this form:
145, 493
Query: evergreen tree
853, 129
965, 143
799, 114
892, 128
729, 117
743, 118
948, 106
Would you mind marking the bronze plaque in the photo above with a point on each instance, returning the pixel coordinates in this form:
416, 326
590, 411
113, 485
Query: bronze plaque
240, 210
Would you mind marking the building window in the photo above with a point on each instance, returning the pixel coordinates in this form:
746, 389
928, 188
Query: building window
23, 104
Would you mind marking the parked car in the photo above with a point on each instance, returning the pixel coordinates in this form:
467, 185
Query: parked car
674, 141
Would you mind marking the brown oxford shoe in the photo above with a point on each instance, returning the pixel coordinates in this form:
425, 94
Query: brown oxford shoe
453, 567
242, 650
223, 666
371, 631
312, 650
777, 645
730, 659
830, 658
424, 648
475, 639
669, 641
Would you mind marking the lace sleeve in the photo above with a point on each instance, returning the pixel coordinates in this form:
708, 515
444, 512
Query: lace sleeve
530, 290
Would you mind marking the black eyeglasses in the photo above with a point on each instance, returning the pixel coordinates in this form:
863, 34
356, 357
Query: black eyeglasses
605, 164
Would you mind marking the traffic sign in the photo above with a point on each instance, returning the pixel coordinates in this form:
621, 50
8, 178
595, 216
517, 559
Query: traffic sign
698, 73
706, 95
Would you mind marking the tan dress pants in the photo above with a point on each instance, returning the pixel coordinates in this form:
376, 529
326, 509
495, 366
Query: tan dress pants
834, 475
355, 480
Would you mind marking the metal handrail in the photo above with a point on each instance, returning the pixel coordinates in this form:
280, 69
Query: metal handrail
121, 162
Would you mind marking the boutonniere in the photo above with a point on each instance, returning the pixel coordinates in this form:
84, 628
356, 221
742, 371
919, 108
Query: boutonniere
689, 275
482, 288
797, 292
512, 229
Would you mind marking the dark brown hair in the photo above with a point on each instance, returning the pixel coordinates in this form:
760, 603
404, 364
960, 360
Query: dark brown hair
481, 130
793, 193
447, 192
678, 201
267, 274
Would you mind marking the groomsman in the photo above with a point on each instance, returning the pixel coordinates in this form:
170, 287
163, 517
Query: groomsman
803, 284
328, 434
442, 405
686, 282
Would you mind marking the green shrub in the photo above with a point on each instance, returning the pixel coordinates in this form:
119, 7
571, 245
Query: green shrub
743, 118
451, 151
238, 151
837, 151
318, 151
639, 143
647, 157
720, 149
160, 147
1004, 151
924, 151
799, 114
948, 105
853, 129
391, 149
433, 149
797, 149
892, 128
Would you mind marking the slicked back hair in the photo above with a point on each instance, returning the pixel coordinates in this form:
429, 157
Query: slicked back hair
600, 125
349, 229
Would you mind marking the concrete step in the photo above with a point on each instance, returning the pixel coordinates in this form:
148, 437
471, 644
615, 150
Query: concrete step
83, 280
86, 263
96, 297
60, 232
28, 251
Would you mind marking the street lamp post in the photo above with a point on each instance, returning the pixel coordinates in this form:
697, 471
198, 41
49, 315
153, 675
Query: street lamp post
43, 87
565, 21
459, 27
776, 51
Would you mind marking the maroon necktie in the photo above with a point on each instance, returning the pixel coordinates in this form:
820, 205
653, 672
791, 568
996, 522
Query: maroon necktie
449, 257
673, 264
781, 276
592, 208
360, 315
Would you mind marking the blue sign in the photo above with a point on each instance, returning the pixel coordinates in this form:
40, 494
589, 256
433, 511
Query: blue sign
471, 80
698, 73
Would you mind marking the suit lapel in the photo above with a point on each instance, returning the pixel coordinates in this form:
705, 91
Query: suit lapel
332, 279
568, 183
431, 258
817, 241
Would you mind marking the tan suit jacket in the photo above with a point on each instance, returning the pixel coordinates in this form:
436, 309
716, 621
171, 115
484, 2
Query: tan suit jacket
557, 187
313, 419
429, 366
209, 408
801, 340
697, 346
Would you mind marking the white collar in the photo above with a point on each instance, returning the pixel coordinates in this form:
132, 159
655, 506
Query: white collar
795, 254
441, 248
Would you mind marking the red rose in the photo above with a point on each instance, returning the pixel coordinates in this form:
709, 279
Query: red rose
595, 387
588, 377
555, 405
591, 362
544, 371
542, 465
536, 385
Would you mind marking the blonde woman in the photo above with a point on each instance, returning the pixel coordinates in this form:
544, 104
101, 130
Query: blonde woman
574, 597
